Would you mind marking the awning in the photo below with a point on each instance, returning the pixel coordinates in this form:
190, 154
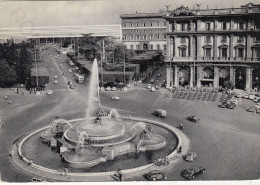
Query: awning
240, 46
207, 46
183, 47
256, 46
223, 46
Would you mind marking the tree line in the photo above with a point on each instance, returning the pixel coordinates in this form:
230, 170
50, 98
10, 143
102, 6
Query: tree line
15, 63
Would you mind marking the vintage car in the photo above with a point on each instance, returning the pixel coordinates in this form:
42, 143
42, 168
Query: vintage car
113, 89
161, 113
38, 179
190, 156
115, 98
49, 92
194, 119
152, 80
153, 89
231, 106
108, 88
55, 81
156, 175
191, 173
149, 86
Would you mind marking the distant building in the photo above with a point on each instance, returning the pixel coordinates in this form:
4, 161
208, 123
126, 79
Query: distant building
207, 47
144, 31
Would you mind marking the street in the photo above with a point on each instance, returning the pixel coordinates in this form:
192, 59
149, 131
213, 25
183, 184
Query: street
225, 140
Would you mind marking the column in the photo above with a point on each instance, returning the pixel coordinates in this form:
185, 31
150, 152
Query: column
216, 76
198, 25
176, 76
191, 26
199, 46
176, 53
191, 76
248, 78
168, 76
46, 40
231, 47
189, 46
215, 25
231, 74
215, 46
248, 47
168, 46
199, 74
232, 24
193, 46
171, 47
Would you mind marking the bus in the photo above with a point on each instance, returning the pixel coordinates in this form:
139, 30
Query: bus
79, 78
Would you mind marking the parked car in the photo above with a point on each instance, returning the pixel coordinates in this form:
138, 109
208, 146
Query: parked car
153, 89
251, 97
190, 156
55, 81
223, 105
113, 89
108, 88
158, 75
152, 80
191, 173
70, 70
161, 113
257, 99
156, 175
55, 77
149, 86
194, 119
231, 106
49, 92
246, 96
115, 98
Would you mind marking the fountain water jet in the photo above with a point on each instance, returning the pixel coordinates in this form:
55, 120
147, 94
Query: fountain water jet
93, 89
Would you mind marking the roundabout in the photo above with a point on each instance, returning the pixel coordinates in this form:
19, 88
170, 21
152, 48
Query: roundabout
75, 170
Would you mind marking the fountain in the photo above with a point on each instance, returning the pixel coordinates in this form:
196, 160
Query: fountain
97, 143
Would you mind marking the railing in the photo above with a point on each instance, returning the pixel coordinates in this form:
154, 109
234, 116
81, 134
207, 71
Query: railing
174, 59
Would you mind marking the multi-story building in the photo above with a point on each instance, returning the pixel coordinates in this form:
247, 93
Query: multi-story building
144, 31
207, 47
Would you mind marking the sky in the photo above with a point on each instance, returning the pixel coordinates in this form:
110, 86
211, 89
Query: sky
91, 12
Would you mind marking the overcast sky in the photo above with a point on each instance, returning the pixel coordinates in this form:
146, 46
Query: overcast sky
72, 13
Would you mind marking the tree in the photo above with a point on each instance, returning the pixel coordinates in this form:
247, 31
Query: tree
24, 64
7, 74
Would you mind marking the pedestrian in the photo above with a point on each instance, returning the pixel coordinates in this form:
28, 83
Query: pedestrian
6, 97
255, 111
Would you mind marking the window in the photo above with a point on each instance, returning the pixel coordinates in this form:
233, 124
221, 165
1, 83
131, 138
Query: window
158, 37
208, 52
257, 38
183, 40
144, 37
224, 39
257, 53
224, 26
151, 24
131, 24
137, 37
240, 39
124, 25
224, 52
240, 52
208, 26
132, 47
164, 47
241, 25
164, 36
151, 37
183, 27
183, 52
131, 37
207, 39
164, 23
151, 47
158, 24
137, 24
125, 37
144, 24
138, 47
158, 47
